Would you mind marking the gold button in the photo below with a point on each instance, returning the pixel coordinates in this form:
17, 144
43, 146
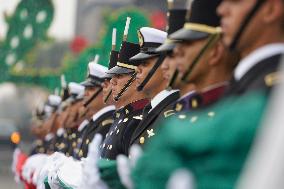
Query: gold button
79, 140
87, 141
73, 135
74, 144
125, 120
80, 153
194, 103
142, 140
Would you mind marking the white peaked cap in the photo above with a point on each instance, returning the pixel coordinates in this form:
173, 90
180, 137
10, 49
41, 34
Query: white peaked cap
96, 69
152, 35
54, 100
76, 89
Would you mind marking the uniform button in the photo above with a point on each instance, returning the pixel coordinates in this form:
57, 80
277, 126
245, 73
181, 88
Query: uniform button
142, 140
193, 119
74, 144
211, 114
73, 135
125, 120
182, 116
87, 141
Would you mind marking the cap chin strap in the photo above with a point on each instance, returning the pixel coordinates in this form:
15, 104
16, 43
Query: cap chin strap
126, 86
107, 97
210, 42
243, 26
93, 97
172, 80
151, 72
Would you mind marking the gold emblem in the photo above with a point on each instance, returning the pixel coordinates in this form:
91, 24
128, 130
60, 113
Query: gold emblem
169, 113
150, 133
140, 38
179, 107
272, 79
142, 140
194, 103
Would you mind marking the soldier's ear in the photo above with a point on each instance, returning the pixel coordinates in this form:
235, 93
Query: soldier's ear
273, 11
215, 54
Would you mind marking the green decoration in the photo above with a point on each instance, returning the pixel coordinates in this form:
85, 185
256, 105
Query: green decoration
27, 27
74, 68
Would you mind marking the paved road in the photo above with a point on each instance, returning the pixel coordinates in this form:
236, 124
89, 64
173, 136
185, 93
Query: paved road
6, 176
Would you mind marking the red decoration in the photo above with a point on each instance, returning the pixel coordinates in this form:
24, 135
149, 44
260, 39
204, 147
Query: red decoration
78, 44
158, 20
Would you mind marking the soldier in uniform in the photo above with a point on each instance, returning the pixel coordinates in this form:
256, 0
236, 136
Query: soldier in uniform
258, 40
102, 119
149, 77
77, 92
213, 145
130, 103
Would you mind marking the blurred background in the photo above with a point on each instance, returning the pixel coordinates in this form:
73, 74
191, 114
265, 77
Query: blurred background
42, 39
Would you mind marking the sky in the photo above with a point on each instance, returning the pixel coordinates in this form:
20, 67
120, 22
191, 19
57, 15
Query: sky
63, 25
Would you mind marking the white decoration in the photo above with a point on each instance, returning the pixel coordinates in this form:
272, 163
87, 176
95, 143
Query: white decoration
14, 43
28, 31
41, 16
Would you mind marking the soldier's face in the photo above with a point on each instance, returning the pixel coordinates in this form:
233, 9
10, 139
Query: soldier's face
106, 87
169, 66
187, 53
118, 82
233, 13
89, 91
142, 72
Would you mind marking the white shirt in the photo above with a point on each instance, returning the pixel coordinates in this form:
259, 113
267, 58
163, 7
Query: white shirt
257, 56
160, 97
102, 111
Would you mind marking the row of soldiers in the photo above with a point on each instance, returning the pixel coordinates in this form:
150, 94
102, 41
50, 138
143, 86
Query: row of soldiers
178, 110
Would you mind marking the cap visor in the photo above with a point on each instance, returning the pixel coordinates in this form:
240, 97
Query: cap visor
119, 70
90, 83
188, 35
107, 76
166, 47
142, 56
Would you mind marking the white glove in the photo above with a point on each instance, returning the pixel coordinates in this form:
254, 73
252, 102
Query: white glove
181, 179
50, 164
70, 173
91, 172
125, 164
31, 164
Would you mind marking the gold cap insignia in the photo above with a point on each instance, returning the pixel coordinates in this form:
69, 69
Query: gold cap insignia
140, 38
